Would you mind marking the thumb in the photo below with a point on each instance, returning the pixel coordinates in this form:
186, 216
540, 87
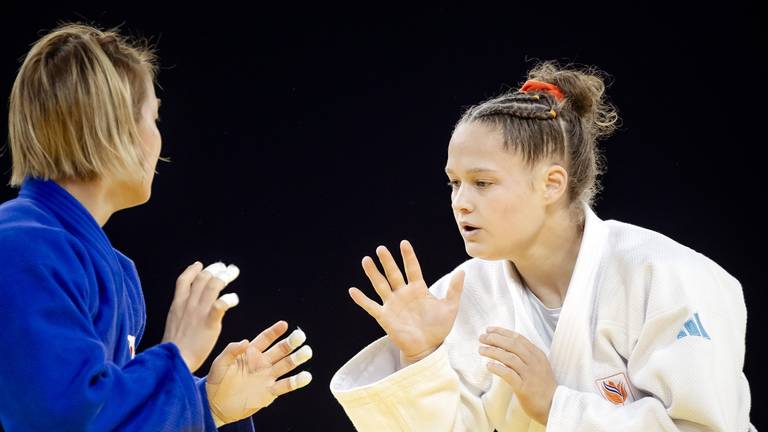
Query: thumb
455, 287
227, 358
222, 305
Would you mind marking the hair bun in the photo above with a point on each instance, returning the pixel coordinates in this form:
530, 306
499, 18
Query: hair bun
584, 91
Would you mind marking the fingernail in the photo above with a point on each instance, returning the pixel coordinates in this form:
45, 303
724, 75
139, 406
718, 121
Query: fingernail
231, 299
300, 380
296, 338
302, 355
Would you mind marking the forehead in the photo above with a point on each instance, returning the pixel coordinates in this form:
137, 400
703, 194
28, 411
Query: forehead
476, 145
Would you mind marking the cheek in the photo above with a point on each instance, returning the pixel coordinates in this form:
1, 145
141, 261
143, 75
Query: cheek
509, 217
507, 204
156, 143
514, 217
151, 140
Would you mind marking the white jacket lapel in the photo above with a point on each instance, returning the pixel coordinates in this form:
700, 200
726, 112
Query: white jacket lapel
572, 341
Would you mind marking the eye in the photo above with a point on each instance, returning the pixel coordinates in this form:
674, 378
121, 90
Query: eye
482, 184
453, 184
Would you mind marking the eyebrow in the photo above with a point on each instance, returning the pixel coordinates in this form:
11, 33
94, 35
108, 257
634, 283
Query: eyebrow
474, 170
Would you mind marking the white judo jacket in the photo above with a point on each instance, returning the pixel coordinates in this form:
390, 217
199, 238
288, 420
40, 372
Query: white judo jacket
650, 338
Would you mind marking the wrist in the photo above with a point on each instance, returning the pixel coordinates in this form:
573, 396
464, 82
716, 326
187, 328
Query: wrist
218, 416
544, 414
407, 360
219, 422
184, 356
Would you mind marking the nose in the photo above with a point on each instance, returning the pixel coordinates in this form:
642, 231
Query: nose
460, 201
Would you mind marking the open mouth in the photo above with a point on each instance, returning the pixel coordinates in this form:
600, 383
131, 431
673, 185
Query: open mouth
469, 228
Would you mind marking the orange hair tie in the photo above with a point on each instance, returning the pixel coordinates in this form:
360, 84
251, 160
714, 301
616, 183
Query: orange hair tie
533, 85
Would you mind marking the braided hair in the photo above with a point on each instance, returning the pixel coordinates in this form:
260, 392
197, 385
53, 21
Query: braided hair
540, 124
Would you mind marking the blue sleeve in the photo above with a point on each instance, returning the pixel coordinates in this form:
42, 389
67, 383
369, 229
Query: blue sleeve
244, 425
55, 371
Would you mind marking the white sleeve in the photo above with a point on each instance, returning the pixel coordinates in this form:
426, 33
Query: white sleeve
686, 365
424, 396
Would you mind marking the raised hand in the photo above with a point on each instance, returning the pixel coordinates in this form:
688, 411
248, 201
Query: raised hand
244, 378
194, 321
416, 321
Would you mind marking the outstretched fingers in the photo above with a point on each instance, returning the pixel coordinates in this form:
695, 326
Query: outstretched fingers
379, 282
269, 336
285, 346
410, 262
290, 362
362, 300
291, 383
184, 282
394, 276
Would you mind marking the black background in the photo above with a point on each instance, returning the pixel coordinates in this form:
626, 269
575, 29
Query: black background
303, 137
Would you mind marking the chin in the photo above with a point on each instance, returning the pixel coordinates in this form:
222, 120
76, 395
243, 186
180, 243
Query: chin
145, 198
477, 250
133, 193
137, 199
144, 193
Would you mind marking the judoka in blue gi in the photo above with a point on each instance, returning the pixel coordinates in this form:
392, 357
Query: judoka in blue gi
84, 145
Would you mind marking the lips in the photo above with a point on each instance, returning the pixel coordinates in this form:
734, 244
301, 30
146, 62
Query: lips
468, 228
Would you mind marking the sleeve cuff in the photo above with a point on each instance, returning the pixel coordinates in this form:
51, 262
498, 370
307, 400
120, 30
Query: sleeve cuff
210, 422
373, 375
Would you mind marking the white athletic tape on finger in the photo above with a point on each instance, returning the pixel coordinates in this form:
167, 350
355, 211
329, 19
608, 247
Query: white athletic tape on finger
302, 355
231, 299
296, 338
229, 274
215, 268
300, 380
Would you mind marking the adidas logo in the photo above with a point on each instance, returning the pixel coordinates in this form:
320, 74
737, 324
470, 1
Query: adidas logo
693, 327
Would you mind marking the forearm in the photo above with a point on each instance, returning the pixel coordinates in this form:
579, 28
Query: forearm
426, 395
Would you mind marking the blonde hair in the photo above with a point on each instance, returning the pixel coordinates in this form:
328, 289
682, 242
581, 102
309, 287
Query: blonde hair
76, 104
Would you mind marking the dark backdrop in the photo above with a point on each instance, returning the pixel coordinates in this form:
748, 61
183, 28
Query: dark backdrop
303, 137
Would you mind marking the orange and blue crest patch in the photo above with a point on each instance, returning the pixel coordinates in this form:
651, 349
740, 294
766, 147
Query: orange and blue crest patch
615, 389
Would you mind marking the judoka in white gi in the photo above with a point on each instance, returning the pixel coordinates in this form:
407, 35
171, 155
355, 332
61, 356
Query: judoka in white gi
560, 321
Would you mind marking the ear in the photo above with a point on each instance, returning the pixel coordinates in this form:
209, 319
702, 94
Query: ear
555, 182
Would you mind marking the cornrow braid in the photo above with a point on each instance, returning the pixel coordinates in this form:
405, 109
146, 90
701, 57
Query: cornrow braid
520, 105
537, 125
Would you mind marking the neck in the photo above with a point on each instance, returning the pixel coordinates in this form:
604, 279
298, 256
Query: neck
94, 195
547, 266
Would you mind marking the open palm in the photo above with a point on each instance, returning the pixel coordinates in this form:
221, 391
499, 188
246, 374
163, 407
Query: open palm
416, 321
245, 377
